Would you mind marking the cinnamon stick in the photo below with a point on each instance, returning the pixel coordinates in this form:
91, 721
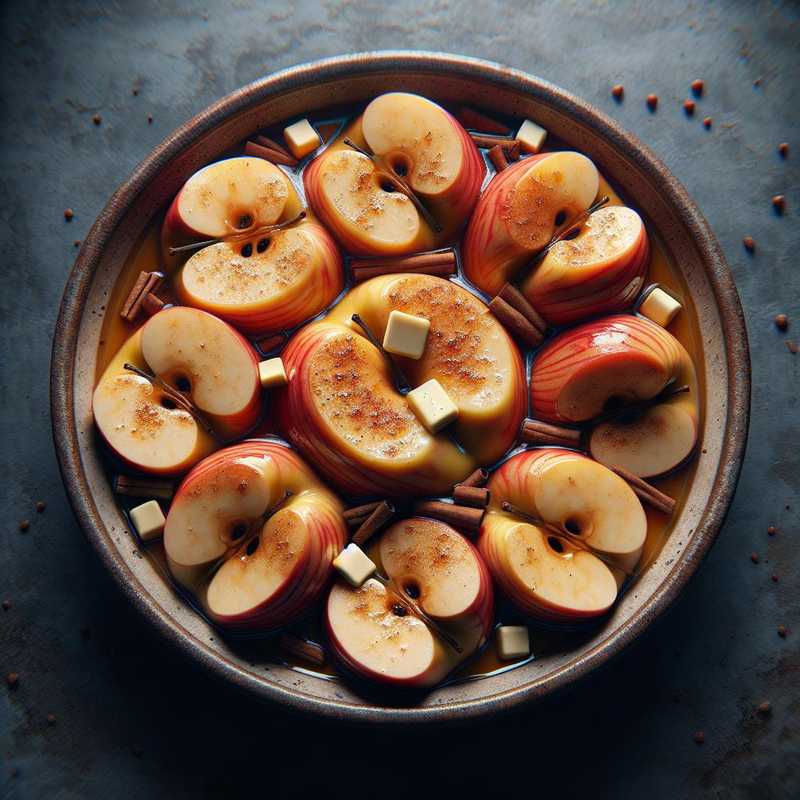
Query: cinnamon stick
134, 294
271, 144
515, 322
646, 492
146, 283
294, 646
475, 120
488, 142
517, 300
498, 158
535, 432
374, 522
360, 511
514, 152
475, 496
463, 517
151, 304
143, 487
270, 343
269, 154
441, 263
477, 478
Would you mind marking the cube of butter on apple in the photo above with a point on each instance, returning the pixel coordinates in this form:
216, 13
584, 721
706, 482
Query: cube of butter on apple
531, 136
354, 565
513, 641
660, 307
148, 519
406, 334
432, 405
301, 138
272, 373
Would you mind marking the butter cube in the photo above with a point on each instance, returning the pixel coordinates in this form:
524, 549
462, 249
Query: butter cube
531, 136
660, 307
406, 334
513, 641
272, 373
354, 565
301, 138
432, 405
148, 519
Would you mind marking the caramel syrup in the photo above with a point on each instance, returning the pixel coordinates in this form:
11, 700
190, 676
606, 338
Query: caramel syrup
147, 256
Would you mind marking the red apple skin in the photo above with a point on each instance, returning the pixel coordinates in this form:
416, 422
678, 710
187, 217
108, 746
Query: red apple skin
327, 530
451, 209
489, 255
610, 342
317, 294
505, 482
603, 291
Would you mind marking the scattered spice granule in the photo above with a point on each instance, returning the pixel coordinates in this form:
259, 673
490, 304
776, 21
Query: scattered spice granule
697, 87
754, 557
782, 632
68, 214
76, 243
12, 679
781, 322
764, 708
772, 530
749, 244
652, 101
6, 605
688, 107
97, 119
135, 92
775, 578
707, 123
40, 506
24, 525
618, 92
699, 737
779, 203
51, 719
792, 347
783, 149
149, 119
757, 82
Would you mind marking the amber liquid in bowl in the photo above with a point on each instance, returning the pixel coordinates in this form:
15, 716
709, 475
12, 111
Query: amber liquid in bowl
146, 256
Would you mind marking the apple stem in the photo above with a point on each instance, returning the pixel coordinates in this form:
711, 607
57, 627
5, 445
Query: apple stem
409, 603
570, 226
241, 235
563, 534
400, 380
173, 395
398, 183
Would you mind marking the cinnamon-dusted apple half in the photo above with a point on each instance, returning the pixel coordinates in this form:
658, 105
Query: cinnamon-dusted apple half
266, 273
614, 367
411, 139
559, 571
345, 414
598, 271
520, 210
376, 632
195, 362
252, 533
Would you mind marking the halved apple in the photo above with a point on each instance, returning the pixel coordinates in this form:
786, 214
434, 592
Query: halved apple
375, 631
343, 412
519, 212
266, 283
552, 572
599, 271
252, 533
201, 358
412, 139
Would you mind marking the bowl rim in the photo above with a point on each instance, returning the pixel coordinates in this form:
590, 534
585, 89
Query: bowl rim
62, 383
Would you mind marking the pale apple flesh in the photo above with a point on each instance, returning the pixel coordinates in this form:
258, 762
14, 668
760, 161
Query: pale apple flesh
412, 139
599, 271
267, 283
552, 572
252, 533
199, 356
342, 410
519, 212
375, 631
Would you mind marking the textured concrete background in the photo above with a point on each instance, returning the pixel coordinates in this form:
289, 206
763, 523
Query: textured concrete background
133, 719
